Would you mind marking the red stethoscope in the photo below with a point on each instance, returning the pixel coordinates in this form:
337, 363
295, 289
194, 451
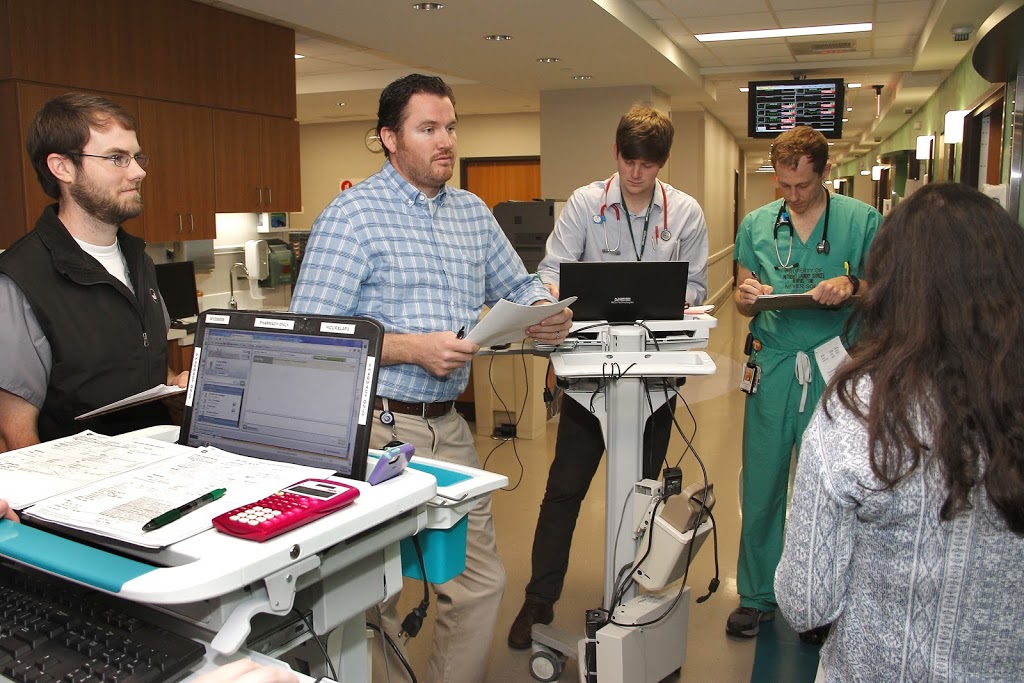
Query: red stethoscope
664, 233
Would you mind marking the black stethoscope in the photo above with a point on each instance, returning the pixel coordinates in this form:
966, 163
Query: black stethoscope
782, 218
663, 234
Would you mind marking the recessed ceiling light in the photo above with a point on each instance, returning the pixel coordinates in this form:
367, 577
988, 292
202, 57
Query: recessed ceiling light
853, 85
744, 89
845, 120
497, 37
427, 6
784, 32
298, 56
339, 104
582, 78
548, 60
849, 109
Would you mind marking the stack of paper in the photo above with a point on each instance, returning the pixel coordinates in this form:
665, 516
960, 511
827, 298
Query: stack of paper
111, 488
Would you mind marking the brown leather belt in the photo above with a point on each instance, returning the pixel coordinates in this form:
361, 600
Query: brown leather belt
429, 410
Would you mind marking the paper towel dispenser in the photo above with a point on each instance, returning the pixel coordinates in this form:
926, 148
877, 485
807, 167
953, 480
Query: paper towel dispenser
257, 254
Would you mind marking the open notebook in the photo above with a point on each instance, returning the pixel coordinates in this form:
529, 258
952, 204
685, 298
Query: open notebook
284, 387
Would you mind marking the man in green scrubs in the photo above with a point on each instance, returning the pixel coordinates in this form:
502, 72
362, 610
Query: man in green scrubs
810, 241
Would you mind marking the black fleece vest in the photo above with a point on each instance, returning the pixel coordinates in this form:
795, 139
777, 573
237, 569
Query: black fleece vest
106, 342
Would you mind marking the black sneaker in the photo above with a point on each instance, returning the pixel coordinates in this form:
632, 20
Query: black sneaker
745, 622
520, 636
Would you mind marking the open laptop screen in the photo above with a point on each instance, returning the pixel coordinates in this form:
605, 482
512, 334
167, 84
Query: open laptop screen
282, 387
625, 291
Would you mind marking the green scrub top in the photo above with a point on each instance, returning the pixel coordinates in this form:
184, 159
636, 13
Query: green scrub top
851, 228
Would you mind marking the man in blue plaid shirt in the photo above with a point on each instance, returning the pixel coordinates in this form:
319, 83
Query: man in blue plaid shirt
423, 259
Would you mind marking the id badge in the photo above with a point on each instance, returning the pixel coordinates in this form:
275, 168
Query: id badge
751, 378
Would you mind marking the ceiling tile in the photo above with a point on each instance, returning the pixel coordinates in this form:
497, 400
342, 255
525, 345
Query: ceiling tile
915, 12
685, 9
654, 9
787, 5
829, 16
735, 22
903, 43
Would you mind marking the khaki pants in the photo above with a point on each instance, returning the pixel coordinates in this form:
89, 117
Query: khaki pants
465, 609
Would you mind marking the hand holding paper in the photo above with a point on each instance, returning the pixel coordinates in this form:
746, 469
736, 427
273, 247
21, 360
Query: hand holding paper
507, 321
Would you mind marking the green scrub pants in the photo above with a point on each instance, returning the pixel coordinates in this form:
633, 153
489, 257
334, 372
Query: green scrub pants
773, 425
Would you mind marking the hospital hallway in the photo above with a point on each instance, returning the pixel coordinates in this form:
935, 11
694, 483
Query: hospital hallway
717, 404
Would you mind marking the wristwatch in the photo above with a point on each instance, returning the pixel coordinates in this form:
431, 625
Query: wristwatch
855, 282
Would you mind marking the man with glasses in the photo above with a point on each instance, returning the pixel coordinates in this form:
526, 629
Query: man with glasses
82, 323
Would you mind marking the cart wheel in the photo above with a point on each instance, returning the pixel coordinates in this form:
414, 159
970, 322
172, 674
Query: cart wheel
545, 666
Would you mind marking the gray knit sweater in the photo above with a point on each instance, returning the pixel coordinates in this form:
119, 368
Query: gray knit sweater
913, 598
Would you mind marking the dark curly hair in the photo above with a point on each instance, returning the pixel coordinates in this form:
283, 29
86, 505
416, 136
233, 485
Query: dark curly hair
943, 327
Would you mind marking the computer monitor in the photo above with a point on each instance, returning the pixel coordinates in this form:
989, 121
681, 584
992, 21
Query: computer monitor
177, 283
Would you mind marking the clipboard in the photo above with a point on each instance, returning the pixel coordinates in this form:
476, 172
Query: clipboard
793, 302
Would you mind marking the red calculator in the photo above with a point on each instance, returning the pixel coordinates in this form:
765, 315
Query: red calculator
291, 507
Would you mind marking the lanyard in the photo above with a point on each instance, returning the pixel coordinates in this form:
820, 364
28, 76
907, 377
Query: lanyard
647, 222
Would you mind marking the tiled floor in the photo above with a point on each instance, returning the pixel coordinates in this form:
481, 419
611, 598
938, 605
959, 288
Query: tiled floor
717, 405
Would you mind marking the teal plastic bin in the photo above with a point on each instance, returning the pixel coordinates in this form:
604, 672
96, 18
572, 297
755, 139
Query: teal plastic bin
444, 550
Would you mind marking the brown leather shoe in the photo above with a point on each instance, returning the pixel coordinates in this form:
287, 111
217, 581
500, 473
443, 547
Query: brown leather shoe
533, 612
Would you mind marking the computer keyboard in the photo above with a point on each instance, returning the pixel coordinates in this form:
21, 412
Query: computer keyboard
57, 632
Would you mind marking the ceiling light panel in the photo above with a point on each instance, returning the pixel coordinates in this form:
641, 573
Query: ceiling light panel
785, 32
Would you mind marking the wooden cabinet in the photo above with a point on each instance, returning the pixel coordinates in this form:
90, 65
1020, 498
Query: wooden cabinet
256, 163
178, 190
175, 50
257, 59
173, 63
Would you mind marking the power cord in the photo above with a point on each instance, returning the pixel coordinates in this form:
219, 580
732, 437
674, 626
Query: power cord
309, 625
514, 428
394, 647
413, 621
713, 586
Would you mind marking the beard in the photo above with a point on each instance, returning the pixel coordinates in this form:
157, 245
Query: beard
421, 171
112, 210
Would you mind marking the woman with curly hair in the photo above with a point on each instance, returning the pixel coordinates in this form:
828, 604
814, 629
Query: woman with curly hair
906, 527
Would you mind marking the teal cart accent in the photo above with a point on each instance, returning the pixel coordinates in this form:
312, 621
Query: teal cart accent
444, 550
76, 561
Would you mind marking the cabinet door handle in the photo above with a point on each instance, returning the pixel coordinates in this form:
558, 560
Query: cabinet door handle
192, 221
259, 196
179, 223
270, 197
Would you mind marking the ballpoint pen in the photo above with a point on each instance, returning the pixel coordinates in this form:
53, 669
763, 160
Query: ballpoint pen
178, 512
461, 333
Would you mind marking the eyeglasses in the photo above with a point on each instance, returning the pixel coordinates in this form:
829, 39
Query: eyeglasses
120, 160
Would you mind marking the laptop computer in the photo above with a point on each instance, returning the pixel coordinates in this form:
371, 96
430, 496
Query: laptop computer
625, 291
284, 387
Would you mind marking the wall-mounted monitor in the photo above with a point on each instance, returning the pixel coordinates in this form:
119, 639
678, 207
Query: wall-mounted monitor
776, 106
